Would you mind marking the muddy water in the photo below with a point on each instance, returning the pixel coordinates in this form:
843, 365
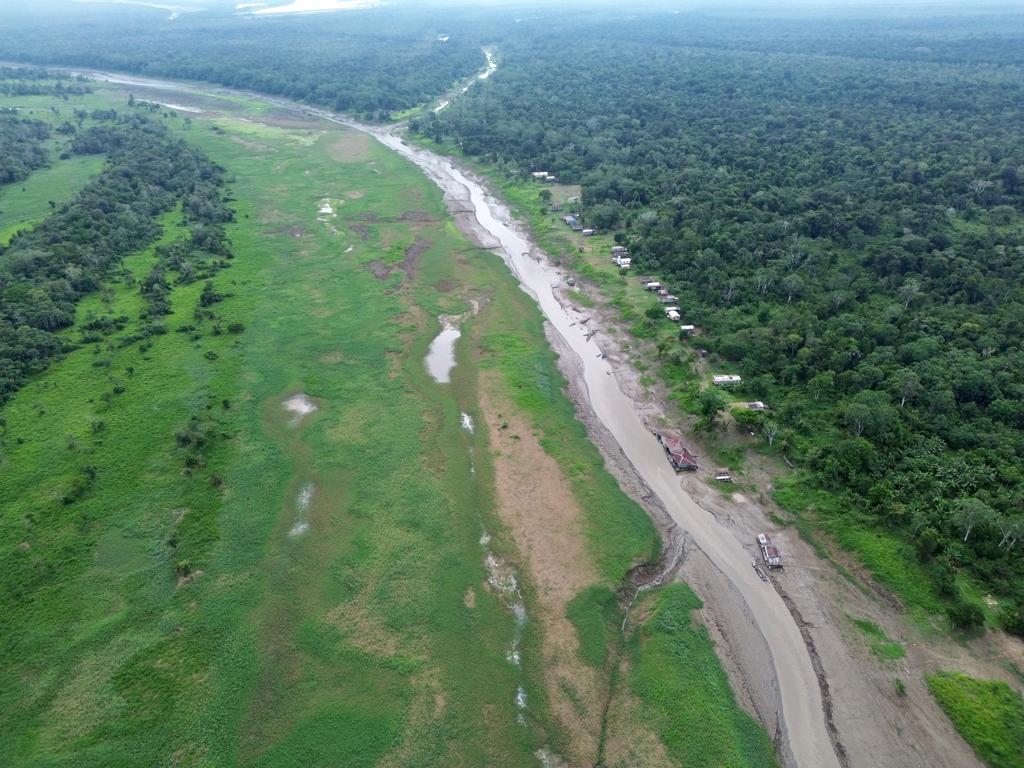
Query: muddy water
802, 719
440, 358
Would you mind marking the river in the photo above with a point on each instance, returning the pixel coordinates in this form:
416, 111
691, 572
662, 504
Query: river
802, 716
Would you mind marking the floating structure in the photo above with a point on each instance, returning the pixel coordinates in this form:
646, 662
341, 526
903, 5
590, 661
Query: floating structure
769, 552
678, 456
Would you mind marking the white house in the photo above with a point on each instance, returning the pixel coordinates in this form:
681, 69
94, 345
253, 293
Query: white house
726, 380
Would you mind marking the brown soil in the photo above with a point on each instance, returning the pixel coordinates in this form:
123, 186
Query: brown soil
537, 506
351, 146
355, 194
469, 599
412, 258
379, 269
330, 358
255, 146
419, 216
361, 628
362, 230
425, 713
628, 742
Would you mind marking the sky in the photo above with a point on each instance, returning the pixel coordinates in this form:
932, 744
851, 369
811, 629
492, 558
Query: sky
862, 7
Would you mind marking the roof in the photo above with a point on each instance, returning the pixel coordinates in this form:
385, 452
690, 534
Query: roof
677, 450
729, 378
687, 327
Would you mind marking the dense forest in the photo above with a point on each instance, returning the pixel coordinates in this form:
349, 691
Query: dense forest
22, 146
348, 62
32, 81
846, 230
44, 271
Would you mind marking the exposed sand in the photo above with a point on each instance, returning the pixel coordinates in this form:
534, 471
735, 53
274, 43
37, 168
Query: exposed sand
538, 507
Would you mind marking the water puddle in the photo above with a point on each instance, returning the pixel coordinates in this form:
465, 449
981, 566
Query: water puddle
300, 406
302, 502
521, 705
502, 578
549, 759
176, 107
440, 358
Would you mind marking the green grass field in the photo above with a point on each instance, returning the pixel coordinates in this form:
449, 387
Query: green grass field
26, 203
277, 589
684, 691
987, 713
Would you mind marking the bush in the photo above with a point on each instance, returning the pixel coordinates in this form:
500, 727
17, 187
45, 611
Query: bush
965, 615
1011, 617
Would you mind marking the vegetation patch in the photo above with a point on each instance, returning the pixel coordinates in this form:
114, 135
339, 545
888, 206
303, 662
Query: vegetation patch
684, 690
881, 645
595, 614
987, 713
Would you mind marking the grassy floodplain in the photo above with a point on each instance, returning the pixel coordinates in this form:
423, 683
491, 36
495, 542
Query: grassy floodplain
244, 584
25, 204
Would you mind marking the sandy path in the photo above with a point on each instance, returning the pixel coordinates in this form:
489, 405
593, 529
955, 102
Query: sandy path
805, 739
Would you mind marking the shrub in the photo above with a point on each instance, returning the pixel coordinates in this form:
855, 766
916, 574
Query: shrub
965, 615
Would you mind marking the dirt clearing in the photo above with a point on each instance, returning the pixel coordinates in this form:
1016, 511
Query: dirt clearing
537, 506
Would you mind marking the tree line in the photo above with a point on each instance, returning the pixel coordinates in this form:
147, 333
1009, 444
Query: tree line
22, 146
366, 65
33, 81
46, 270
